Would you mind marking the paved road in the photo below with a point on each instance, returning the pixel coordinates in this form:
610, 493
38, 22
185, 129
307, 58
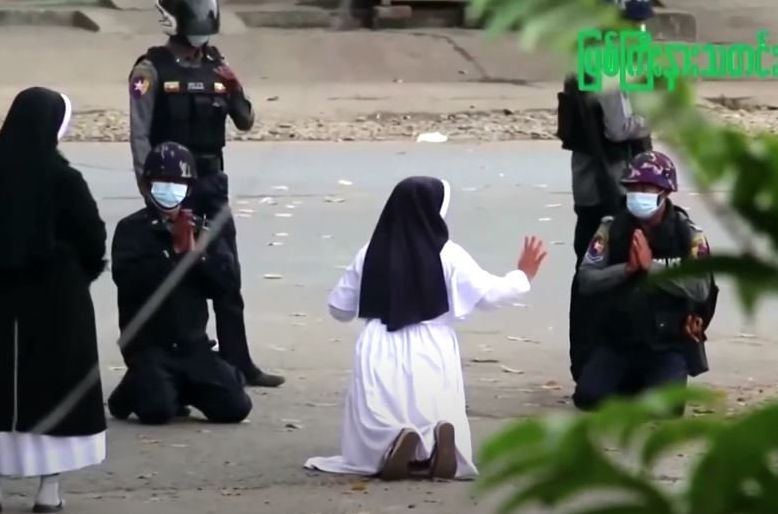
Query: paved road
502, 192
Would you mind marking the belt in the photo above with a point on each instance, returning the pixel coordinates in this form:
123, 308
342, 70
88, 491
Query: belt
208, 164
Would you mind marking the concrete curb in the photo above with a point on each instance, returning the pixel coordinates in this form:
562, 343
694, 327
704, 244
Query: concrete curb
673, 25
129, 5
93, 20
43, 17
100, 20
667, 25
286, 17
231, 23
97, 19
236, 18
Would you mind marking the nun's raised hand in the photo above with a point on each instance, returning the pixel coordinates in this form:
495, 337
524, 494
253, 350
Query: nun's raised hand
532, 256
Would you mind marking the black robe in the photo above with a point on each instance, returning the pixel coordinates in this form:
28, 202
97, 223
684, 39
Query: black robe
48, 339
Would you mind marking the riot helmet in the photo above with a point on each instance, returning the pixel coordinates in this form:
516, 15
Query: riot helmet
636, 11
650, 179
168, 173
194, 20
654, 168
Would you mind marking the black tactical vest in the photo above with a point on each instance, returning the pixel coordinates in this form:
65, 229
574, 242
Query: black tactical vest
638, 314
191, 102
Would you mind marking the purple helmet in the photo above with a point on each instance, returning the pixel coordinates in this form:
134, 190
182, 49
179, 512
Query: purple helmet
170, 161
652, 167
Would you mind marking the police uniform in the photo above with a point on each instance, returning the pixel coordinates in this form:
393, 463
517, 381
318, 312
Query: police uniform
638, 330
603, 133
170, 361
177, 95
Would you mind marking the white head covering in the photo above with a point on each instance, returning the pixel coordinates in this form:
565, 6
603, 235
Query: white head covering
446, 198
65, 119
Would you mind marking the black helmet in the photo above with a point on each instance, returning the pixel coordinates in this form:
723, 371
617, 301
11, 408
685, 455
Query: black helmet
635, 10
170, 161
189, 17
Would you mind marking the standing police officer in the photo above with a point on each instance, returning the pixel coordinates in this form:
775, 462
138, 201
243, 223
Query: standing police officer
183, 92
650, 331
603, 133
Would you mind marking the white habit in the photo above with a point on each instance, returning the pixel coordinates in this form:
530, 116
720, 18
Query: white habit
26, 455
411, 378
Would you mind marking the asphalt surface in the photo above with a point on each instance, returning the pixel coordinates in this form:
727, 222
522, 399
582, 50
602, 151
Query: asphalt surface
331, 195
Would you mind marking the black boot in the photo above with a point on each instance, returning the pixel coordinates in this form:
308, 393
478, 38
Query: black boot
255, 377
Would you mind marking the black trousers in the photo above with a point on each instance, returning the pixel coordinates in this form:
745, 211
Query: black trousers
159, 382
604, 373
207, 197
581, 312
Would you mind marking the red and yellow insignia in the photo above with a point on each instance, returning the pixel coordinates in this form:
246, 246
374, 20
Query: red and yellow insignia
172, 87
700, 247
219, 87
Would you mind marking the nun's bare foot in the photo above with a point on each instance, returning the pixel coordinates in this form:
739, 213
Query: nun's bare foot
397, 463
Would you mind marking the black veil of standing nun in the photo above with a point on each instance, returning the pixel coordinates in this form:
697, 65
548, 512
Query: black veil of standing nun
405, 408
53, 249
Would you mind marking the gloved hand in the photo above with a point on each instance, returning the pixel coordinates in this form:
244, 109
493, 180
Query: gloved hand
231, 81
693, 328
183, 232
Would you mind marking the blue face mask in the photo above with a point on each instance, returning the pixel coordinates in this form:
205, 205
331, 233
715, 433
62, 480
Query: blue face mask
643, 205
168, 195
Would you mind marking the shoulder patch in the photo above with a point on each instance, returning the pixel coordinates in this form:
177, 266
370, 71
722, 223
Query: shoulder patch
141, 80
596, 251
700, 247
599, 243
139, 86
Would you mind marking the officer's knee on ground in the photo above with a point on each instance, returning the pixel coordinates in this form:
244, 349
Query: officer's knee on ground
232, 410
585, 399
591, 390
156, 414
118, 405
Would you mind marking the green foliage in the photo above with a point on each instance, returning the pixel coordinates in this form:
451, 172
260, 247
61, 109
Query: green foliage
553, 460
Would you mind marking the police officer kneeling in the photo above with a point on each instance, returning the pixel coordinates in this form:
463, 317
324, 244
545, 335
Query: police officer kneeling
649, 331
170, 362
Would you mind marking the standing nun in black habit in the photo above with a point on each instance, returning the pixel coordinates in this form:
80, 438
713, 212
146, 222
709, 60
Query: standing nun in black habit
53, 248
405, 408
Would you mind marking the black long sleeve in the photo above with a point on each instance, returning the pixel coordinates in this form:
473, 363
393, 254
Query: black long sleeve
80, 225
137, 266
